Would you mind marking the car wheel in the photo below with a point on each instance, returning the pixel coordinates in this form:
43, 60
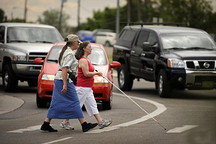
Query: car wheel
125, 80
107, 105
107, 44
41, 103
10, 82
163, 86
32, 83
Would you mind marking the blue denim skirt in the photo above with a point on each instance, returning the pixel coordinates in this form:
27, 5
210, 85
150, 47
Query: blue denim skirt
64, 106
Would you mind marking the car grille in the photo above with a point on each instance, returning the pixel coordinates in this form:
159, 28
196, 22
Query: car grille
201, 65
33, 55
98, 95
48, 92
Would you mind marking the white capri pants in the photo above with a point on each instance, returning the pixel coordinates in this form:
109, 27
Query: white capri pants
86, 97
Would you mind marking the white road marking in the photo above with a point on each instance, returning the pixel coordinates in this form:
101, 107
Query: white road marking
55, 141
160, 109
182, 129
32, 128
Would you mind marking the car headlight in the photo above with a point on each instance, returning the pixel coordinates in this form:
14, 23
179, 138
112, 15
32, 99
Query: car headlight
100, 79
19, 58
176, 63
48, 77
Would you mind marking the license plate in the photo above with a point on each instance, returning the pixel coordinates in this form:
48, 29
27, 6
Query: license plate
208, 84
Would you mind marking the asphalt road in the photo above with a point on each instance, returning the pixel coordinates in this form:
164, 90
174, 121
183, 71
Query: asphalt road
189, 117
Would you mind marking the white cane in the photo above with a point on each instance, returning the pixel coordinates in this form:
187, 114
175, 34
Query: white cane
134, 102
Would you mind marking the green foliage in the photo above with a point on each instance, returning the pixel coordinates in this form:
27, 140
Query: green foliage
2, 16
17, 20
105, 20
194, 13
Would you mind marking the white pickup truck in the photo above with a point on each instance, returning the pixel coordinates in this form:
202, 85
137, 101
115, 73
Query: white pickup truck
20, 44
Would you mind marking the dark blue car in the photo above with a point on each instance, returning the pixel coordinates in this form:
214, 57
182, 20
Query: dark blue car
85, 35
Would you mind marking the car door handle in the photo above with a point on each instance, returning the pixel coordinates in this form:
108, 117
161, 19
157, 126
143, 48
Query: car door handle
143, 54
132, 52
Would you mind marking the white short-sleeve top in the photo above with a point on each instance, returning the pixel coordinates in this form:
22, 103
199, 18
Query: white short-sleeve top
69, 61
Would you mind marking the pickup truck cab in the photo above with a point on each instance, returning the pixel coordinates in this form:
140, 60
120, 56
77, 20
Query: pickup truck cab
172, 57
20, 44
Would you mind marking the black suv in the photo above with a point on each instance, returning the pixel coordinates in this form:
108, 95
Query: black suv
172, 57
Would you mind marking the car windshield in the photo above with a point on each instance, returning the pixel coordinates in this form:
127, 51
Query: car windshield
97, 56
33, 35
87, 33
187, 41
54, 54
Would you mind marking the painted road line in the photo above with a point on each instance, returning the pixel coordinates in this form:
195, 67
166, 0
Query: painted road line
182, 129
59, 140
160, 109
32, 128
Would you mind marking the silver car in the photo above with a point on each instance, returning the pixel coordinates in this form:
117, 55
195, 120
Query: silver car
20, 44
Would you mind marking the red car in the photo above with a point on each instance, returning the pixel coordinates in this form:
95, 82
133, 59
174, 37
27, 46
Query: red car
102, 88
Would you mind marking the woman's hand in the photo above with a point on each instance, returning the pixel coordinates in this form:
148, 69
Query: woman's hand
64, 89
99, 73
64, 77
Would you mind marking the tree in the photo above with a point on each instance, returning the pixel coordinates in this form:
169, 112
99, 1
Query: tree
51, 17
106, 19
2, 15
195, 13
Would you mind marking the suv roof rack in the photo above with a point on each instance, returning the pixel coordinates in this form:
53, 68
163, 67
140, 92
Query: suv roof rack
154, 23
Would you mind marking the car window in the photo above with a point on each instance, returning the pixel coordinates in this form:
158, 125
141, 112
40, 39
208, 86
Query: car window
87, 33
54, 54
128, 35
33, 35
152, 39
143, 36
97, 56
2, 30
187, 41
100, 34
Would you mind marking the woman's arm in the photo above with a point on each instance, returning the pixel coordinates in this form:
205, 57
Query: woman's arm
85, 68
64, 77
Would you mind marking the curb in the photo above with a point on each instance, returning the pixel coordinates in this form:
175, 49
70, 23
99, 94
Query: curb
9, 103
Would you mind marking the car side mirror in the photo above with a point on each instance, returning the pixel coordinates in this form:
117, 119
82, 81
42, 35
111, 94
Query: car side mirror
38, 60
155, 48
115, 64
146, 46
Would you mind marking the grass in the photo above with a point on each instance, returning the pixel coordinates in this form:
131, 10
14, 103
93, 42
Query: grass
110, 58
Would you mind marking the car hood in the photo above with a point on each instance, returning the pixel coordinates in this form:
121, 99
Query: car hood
103, 69
30, 47
187, 55
50, 68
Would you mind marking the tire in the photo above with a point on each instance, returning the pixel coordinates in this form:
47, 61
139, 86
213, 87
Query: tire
125, 80
32, 83
41, 103
10, 81
107, 105
162, 85
107, 44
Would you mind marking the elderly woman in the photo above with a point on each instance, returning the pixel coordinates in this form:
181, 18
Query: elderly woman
65, 103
